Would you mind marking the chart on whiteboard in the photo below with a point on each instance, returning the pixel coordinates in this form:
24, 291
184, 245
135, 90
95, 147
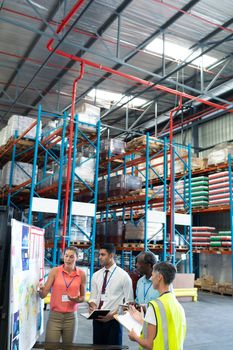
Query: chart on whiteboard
27, 269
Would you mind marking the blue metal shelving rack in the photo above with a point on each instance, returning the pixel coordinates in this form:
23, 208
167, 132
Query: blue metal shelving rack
147, 159
230, 163
79, 135
185, 196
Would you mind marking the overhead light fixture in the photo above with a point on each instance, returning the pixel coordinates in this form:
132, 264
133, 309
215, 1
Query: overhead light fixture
38, 5
63, 93
179, 52
107, 98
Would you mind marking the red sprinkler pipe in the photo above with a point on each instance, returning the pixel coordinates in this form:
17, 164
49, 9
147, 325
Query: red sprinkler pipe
136, 79
121, 74
71, 134
172, 233
66, 20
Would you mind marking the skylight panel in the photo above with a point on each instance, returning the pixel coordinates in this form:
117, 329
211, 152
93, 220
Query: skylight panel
178, 52
107, 98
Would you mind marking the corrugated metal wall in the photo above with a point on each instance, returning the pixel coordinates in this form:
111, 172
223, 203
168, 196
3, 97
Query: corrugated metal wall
185, 138
210, 133
215, 131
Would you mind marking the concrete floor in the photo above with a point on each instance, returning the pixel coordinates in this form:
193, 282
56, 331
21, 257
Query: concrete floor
209, 324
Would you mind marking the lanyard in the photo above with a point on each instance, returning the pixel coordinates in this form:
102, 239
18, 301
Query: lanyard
110, 277
69, 284
146, 291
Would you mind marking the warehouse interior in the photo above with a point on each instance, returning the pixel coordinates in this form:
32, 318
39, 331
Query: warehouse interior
116, 125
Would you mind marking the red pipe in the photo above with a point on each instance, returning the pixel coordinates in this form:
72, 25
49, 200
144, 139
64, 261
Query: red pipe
129, 77
132, 77
227, 29
67, 18
172, 233
71, 134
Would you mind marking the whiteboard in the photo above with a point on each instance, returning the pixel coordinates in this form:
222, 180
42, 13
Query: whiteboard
27, 269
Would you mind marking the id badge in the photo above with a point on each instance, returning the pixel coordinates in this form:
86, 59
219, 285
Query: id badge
64, 298
103, 297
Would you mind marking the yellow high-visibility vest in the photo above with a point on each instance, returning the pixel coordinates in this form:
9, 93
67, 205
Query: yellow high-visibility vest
171, 323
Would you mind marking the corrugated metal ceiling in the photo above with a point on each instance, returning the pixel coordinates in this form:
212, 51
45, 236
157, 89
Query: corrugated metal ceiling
26, 26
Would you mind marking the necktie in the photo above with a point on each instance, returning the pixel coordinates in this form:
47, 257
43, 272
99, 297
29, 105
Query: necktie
103, 288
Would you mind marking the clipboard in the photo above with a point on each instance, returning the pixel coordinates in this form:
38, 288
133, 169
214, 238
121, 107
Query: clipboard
95, 314
129, 322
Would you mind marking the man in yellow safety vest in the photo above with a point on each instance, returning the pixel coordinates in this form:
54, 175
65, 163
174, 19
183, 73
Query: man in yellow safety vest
165, 317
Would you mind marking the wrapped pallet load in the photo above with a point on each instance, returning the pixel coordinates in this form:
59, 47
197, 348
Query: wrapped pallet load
111, 147
219, 154
19, 124
88, 116
22, 172
123, 184
134, 231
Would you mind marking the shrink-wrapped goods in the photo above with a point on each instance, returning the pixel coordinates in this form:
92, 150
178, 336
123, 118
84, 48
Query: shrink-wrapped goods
219, 154
22, 172
88, 116
115, 232
81, 225
20, 124
3, 136
111, 147
135, 231
123, 184
100, 232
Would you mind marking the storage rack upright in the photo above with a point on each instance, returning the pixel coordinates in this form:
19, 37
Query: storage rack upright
131, 160
17, 149
185, 196
82, 136
230, 163
219, 209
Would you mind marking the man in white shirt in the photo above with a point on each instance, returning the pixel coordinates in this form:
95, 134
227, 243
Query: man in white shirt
110, 287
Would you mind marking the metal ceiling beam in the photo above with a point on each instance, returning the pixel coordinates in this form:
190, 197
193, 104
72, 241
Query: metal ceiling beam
80, 53
140, 47
33, 43
48, 58
200, 42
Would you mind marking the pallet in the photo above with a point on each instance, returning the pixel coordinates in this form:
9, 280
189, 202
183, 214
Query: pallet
218, 164
133, 245
220, 290
138, 142
221, 249
183, 247
79, 243
141, 192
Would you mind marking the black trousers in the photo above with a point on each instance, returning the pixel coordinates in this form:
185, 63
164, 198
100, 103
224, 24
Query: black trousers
107, 333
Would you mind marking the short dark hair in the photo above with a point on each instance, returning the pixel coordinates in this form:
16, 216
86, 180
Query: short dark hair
147, 257
74, 249
167, 270
109, 247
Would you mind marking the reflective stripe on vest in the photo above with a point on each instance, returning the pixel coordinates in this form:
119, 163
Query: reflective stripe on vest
164, 323
171, 323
